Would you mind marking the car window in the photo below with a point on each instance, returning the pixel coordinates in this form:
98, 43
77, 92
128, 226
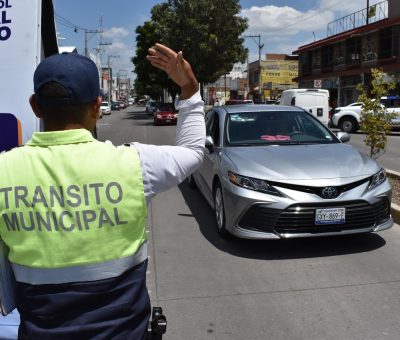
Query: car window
212, 126
391, 102
276, 127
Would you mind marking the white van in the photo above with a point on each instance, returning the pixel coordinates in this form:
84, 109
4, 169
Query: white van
315, 101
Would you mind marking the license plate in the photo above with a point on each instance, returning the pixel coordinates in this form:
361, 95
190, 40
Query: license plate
330, 216
168, 120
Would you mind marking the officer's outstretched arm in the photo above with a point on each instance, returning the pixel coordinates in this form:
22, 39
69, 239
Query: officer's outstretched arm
178, 69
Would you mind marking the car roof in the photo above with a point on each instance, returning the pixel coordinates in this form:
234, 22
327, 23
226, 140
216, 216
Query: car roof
258, 108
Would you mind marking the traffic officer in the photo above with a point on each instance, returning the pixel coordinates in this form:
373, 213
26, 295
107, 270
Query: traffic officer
73, 209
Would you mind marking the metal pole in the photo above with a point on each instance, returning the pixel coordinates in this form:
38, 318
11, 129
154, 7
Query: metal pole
367, 11
259, 64
224, 88
86, 43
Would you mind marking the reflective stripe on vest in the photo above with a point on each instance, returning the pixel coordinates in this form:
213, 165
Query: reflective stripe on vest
94, 272
69, 202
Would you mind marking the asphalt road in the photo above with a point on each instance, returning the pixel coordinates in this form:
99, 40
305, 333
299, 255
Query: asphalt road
212, 289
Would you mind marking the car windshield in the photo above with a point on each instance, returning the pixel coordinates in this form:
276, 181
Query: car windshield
276, 127
104, 104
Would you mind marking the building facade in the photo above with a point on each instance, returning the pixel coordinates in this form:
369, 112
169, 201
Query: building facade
369, 38
268, 78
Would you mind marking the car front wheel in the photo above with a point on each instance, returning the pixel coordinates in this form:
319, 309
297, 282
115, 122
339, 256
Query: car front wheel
219, 210
348, 124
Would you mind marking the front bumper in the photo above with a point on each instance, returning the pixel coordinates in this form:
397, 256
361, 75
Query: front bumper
260, 216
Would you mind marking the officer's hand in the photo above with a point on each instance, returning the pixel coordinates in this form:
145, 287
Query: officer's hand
178, 69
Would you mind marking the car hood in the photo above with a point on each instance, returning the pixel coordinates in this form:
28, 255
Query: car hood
306, 164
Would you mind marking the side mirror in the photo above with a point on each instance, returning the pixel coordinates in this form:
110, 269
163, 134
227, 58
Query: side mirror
209, 143
344, 137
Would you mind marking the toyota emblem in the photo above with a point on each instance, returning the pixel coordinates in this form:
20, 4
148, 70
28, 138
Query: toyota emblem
329, 192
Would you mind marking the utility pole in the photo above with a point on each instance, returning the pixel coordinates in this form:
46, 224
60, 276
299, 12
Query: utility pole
260, 46
87, 32
109, 82
367, 11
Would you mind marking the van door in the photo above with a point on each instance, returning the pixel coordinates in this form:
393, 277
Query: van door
321, 108
315, 103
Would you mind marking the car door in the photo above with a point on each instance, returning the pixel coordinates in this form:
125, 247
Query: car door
210, 161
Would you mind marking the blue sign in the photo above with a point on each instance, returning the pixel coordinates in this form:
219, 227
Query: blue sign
10, 132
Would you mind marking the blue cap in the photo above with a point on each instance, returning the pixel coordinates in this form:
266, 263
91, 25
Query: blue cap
78, 74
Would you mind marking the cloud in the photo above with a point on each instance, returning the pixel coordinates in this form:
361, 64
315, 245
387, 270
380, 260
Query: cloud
283, 28
115, 32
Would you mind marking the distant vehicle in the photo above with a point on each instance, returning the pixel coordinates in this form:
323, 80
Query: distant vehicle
105, 108
122, 104
347, 118
238, 101
274, 171
315, 101
131, 101
271, 102
165, 113
151, 106
115, 106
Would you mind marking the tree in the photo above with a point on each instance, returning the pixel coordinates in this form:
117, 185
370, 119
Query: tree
209, 32
148, 79
375, 119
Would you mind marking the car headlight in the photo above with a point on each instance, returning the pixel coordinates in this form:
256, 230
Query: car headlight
377, 179
252, 184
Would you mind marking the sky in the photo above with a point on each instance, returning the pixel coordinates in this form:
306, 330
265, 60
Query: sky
284, 25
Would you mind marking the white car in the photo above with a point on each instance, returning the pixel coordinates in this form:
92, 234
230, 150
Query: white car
105, 108
347, 118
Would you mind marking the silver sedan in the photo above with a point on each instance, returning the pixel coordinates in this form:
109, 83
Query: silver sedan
275, 172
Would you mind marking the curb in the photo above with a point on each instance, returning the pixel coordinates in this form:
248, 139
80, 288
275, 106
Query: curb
395, 208
396, 213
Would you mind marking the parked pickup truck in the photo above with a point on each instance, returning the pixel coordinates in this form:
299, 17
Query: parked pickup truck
347, 118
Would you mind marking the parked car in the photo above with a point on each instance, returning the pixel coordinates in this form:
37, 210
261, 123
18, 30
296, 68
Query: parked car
347, 118
105, 108
115, 106
274, 172
151, 106
122, 105
165, 113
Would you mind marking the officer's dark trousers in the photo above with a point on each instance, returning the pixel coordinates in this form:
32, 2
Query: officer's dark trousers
117, 308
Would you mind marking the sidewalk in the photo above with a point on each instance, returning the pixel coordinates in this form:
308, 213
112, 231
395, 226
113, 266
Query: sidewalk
395, 207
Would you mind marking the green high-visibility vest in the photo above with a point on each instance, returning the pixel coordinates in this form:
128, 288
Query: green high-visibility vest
70, 202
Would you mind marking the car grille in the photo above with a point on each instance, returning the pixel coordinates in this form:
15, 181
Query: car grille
300, 218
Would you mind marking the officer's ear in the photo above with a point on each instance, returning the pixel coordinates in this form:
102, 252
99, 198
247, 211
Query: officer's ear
35, 106
95, 108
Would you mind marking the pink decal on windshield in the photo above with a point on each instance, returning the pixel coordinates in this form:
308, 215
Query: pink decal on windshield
276, 137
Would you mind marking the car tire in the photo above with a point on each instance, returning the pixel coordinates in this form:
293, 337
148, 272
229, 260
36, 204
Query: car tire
192, 183
155, 122
348, 124
219, 211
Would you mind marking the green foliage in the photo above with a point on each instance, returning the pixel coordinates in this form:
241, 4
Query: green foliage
148, 80
209, 32
375, 119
